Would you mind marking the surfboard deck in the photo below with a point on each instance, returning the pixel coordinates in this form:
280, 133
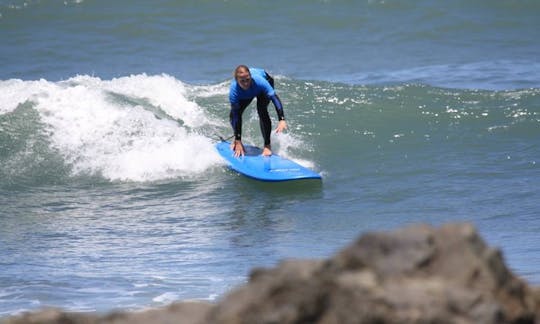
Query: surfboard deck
264, 168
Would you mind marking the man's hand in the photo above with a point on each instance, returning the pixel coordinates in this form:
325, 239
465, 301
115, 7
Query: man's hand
238, 148
282, 125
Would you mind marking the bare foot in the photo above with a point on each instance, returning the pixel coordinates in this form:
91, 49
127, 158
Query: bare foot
266, 151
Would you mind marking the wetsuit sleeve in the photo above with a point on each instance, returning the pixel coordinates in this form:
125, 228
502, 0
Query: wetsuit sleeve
235, 115
236, 121
279, 107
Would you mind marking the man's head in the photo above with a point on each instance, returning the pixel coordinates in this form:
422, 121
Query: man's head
242, 76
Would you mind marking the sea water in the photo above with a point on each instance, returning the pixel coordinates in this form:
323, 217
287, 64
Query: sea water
112, 195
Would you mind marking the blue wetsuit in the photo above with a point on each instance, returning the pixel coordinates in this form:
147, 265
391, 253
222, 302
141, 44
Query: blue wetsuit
262, 87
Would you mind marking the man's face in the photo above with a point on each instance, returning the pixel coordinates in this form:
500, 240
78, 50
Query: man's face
243, 78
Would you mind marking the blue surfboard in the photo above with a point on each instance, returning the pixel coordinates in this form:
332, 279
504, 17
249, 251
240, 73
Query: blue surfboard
264, 168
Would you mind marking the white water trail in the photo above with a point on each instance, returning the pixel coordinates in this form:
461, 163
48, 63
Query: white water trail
136, 128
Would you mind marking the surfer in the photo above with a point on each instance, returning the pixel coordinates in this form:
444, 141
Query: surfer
247, 84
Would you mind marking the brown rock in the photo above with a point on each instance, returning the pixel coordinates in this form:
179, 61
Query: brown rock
413, 275
418, 274
177, 313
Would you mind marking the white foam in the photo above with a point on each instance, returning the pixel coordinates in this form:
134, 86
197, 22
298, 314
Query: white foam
166, 298
14, 92
97, 135
163, 91
284, 143
206, 91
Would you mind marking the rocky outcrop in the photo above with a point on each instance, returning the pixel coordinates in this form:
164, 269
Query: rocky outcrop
418, 274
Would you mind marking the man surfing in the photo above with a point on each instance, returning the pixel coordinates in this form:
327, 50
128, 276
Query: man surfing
249, 83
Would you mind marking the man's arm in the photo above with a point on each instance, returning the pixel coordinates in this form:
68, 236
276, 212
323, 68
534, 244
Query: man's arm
236, 121
279, 107
282, 125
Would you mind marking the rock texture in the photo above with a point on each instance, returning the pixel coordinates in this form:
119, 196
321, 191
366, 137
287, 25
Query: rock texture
418, 274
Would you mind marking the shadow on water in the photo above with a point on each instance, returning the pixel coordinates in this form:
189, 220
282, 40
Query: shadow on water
307, 187
245, 196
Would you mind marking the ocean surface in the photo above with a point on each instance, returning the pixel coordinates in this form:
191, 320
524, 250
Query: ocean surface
112, 195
